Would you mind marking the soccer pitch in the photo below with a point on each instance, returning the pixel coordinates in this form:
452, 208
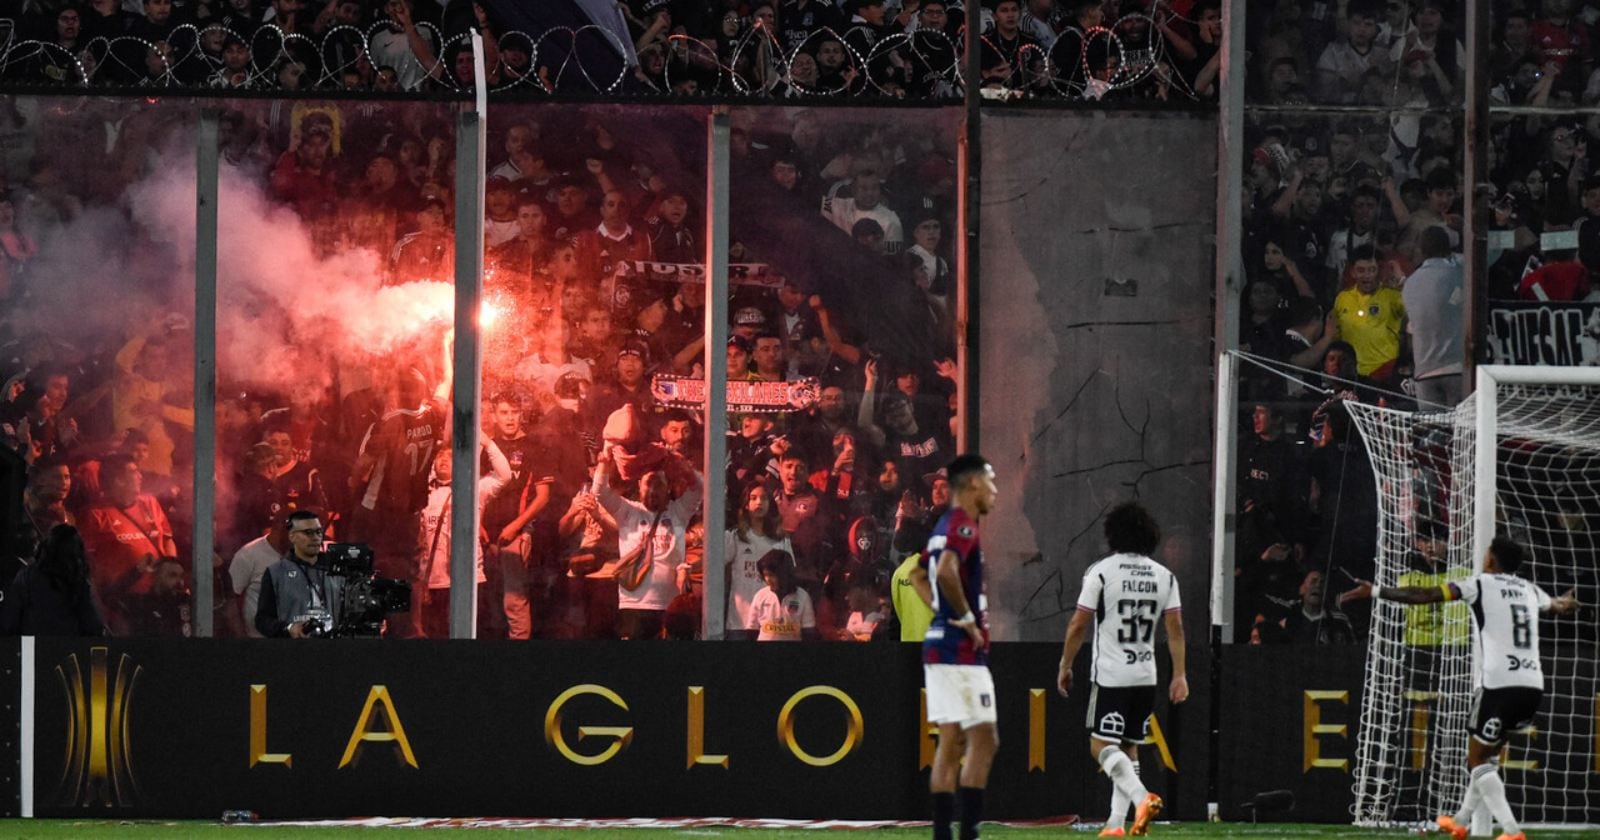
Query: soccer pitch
140, 830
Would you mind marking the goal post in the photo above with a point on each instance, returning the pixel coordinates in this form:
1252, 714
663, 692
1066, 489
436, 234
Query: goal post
1521, 457
1487, 393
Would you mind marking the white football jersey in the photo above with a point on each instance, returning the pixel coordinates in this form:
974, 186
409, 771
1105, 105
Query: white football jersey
1128, 594
1505, 630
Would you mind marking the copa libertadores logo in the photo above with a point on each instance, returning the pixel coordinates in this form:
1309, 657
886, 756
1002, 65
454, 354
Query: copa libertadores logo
97, 771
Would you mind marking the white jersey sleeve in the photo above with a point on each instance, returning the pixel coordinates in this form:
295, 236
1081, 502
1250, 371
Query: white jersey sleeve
1128, 594
1089, 594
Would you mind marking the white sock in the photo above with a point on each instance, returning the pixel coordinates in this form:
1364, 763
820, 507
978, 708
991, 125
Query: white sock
1119, 808
1493, 792
1119, 803
1482, 822
1469, 802
1120, 768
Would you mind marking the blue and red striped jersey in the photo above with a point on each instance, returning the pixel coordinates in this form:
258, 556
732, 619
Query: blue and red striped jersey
946, 643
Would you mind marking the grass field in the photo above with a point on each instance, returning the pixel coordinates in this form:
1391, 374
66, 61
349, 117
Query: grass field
146, 830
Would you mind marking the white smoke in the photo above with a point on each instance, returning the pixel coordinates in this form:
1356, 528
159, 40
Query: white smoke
283, 313
278, 301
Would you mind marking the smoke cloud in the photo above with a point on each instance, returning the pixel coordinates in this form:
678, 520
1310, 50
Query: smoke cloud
284, 312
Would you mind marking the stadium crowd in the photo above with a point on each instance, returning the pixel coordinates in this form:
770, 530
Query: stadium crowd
592, 254
1088, 49
1352, 260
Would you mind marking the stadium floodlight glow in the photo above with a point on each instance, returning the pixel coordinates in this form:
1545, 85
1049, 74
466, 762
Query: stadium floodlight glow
1519, 457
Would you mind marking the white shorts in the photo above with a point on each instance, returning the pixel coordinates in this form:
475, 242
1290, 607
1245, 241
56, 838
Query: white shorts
961, 694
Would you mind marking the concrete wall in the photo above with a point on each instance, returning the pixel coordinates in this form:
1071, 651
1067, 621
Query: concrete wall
1095, 349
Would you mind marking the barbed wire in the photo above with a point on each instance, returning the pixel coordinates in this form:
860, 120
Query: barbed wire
916, 64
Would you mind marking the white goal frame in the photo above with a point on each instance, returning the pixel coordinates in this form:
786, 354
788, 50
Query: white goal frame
1484, 422
1483, 457
1485, 408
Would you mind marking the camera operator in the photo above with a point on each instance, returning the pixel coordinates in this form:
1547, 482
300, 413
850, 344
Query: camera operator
297, 598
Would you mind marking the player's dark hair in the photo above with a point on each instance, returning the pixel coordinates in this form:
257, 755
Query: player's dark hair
964, 467
1130, 529
1508, 554
297, 516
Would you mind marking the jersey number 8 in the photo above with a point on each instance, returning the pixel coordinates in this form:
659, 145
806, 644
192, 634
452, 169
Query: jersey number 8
1521, 627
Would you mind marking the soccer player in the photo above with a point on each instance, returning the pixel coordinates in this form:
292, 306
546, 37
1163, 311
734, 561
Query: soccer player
1507, 680
1121, 596
955, 653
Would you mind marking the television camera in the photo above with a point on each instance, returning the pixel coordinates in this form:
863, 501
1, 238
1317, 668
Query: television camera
361, 599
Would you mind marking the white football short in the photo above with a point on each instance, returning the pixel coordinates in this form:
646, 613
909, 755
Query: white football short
962, 694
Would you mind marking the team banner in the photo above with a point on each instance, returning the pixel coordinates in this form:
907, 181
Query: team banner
743, 397
739, 274
1545, 333
176, 728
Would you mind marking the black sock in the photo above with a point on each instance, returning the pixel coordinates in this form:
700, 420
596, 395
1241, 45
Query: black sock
971, 812
944, 810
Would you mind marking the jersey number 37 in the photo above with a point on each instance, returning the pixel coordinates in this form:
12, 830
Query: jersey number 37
1138, 621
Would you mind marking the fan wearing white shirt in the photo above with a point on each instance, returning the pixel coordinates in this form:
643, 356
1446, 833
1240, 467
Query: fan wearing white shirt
250, 562
782, 611
436, 515
651, 540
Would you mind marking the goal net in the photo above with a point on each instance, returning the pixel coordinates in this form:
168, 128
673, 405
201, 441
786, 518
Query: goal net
1521, 456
